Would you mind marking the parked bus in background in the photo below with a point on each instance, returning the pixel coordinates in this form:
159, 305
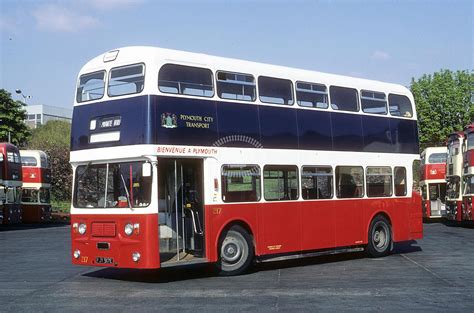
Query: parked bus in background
454, 172
468, 174
10, 189
183, 158
35, 199
1, 185
433, 182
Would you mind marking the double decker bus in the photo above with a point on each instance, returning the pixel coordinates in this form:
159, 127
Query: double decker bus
433, 182
468, 174
183, 158
10, 187
35, 198
454, 181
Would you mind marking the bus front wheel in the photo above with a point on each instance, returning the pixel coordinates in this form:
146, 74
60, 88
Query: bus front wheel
235, 251
380, 237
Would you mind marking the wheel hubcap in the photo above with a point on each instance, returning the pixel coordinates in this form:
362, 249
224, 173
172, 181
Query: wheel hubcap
380, 237
231, 251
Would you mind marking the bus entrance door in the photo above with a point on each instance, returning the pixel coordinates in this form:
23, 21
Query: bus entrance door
180, 193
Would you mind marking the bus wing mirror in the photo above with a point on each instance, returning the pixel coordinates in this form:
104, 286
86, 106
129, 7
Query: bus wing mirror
146, 169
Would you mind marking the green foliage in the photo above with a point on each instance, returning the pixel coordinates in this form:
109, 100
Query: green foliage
12, 117
53, 138
444, 105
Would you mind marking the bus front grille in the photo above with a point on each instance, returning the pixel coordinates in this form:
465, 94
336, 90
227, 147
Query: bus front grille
103, 229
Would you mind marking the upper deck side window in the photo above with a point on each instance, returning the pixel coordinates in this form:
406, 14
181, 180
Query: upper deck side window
373, 102
275, 90
125, 80
400, 105
186, 80
236, 86
438, 157
311, 95
470, 141
344, 99
28, 161
91, 87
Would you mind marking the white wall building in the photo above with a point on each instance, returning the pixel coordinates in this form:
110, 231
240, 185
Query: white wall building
41, 114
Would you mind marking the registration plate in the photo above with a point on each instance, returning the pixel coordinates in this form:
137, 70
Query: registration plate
102, 260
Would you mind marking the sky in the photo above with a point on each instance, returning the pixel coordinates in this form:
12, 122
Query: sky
44, 44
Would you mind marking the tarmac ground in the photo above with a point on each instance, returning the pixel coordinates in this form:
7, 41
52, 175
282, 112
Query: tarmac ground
432, 274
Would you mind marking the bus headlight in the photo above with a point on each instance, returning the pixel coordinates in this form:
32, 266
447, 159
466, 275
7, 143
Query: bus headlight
128, 229
82, 229
76, 254
135, 256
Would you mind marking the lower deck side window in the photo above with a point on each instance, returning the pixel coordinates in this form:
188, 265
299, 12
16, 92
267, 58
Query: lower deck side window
280, 182
379, 181
240, 183
400, 181
316, 182
349, 181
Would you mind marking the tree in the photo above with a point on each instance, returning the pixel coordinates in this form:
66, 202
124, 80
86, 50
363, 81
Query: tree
444, 105
53, 138
12, 117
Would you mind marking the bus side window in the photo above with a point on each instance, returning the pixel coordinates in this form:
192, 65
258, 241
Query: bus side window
312, 95
275, 90
186, 80
349, 181
316, 182
379, 181
240, 183
236, 86
400, 181
400, 105
344, 99
373, 102
280, 182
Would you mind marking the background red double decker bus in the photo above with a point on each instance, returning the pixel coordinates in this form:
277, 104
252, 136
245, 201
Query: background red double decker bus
35, 200
468, 175
11, 182
433, 182
454, 175
183, 158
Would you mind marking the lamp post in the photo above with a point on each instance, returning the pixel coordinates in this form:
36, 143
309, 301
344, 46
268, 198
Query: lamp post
18, 91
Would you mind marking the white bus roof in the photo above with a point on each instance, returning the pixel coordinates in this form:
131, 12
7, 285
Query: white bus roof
155, 57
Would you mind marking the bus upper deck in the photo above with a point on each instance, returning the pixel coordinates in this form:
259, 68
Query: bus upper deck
166, 97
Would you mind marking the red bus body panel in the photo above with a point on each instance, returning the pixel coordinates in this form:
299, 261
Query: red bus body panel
313, 225
36, 213
121, 246
433, 171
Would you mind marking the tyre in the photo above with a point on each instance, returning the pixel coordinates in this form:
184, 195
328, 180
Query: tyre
235, 251
380, 237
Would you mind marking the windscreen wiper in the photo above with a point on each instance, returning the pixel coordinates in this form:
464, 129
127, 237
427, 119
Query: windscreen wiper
126, 190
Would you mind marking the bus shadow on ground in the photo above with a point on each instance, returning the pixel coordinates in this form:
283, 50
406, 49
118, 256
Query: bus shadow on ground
17, 227
464, 224
199, 271
163, 275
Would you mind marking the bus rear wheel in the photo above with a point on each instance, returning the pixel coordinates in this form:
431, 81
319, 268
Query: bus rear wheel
380, 237
235, 251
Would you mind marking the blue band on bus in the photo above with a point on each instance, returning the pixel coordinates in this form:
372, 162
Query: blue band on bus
202, 122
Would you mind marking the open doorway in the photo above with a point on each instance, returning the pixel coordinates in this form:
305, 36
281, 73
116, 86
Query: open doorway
181, 210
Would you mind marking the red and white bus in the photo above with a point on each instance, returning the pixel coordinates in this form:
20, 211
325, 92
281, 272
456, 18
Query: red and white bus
185, 158
35, 199
10, 187
433, 182
454, 169
468, 175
